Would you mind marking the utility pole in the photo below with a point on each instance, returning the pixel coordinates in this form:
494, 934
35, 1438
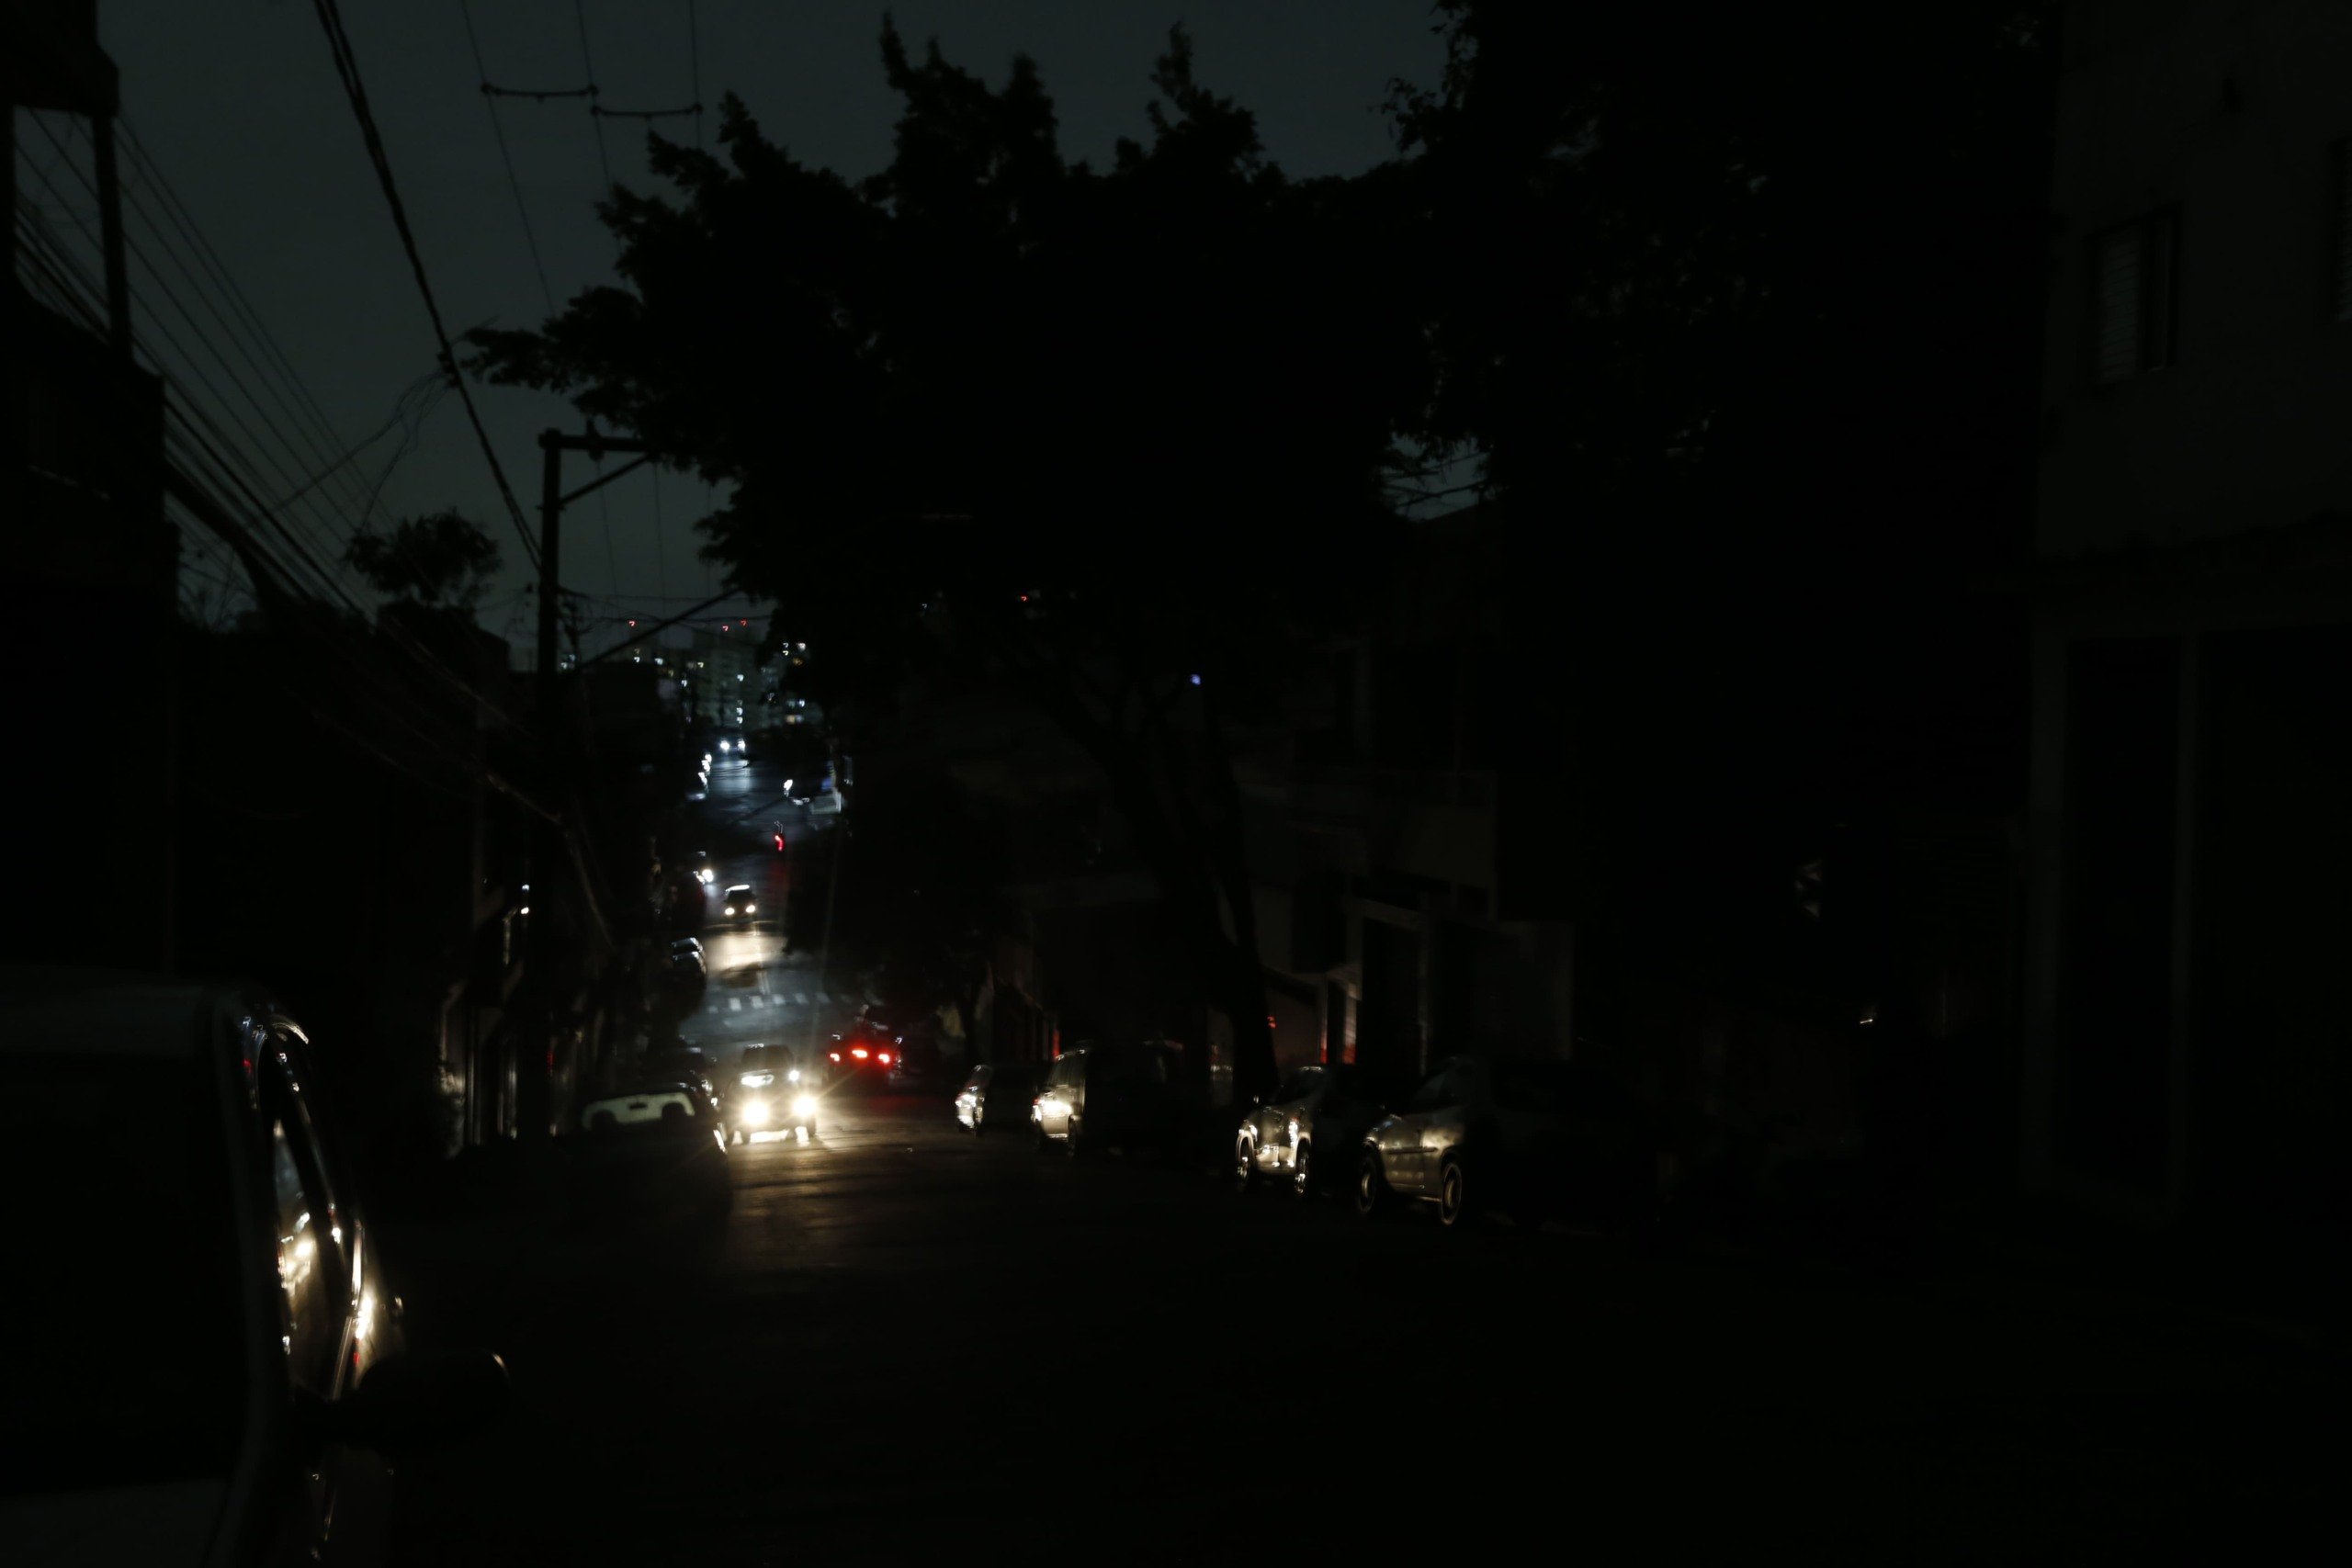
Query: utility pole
536, 1089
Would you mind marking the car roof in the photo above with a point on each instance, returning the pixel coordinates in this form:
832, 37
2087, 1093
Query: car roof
99, 1012
740, 887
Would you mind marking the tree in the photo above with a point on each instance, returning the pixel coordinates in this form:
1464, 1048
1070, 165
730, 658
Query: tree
1743, 313
1122, 434
437, 561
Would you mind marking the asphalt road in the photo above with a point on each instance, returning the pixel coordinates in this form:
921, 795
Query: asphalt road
905, 1343
760, 992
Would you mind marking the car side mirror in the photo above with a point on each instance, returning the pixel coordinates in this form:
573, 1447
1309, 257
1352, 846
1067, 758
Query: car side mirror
412, 1402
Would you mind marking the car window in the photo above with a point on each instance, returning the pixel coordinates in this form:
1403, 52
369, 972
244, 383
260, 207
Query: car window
1437, 1091
1135, 1067
1299, 1085
309, 1259
1543, 1088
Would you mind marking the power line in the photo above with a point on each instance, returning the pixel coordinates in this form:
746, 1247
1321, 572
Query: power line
603, 161
694, 57
497, 128
205, 380
348, 68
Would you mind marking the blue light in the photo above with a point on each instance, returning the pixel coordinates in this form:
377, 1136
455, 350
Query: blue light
1196, 680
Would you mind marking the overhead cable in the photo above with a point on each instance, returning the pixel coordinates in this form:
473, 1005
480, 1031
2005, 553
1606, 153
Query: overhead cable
348, 68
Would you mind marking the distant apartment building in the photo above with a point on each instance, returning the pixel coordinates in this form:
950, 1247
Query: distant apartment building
2190, 844
728, 685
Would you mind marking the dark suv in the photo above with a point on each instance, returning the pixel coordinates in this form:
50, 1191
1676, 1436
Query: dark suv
214, 1370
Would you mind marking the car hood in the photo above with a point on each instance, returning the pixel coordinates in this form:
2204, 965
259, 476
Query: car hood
163, 1524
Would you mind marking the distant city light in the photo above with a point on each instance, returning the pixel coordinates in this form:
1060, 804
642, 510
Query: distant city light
1196, 680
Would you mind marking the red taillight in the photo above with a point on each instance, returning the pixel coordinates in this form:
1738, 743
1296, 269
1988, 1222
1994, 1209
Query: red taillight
886, 1057
858, 1052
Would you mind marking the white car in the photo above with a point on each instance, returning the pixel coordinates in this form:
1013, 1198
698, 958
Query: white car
741, 903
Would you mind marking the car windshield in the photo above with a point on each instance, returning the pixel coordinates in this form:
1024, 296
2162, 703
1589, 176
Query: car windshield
1547, 1088
126, 1300
1144, 1066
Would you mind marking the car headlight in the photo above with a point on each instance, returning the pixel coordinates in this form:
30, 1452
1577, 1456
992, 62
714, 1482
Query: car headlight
749, 908
792, 1077
756, 1113
756, 1080
804, 1106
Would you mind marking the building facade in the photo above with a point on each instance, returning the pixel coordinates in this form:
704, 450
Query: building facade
2192, 638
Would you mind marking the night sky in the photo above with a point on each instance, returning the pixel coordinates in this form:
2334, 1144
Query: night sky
239, 105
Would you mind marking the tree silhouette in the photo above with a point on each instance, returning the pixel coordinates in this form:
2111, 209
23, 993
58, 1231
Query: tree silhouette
1120, 433
1742, 305
437, 561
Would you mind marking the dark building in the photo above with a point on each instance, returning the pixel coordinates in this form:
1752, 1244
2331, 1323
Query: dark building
2192, 640
91, 564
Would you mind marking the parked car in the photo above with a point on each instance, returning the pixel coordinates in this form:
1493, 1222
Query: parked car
1130, 1095
997, 1095
650, 1152
681, 1064
768, 1091
741, 903
1532, 1138
684, 977
1319, 1107
168, 1137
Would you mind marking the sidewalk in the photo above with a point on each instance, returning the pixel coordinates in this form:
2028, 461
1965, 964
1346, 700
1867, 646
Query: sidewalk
2284, 1289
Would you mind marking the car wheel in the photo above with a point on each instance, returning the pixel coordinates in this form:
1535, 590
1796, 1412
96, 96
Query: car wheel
1245, 1166
1302, 1171
1374, 1198
1455, 1194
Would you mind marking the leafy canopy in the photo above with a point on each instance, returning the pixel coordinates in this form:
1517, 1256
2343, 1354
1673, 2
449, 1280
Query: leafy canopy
1151, 393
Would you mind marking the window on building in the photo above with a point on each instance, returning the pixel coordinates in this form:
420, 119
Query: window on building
2133, 274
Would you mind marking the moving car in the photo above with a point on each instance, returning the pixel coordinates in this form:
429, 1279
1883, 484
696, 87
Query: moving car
862, 1057
1532, 1137
768, 1093
650, 1152
1318, 1107
705, 869
997, 1094
168, 1137
1131, 1095
741, 903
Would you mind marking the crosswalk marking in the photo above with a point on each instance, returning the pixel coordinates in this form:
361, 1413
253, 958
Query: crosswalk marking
734, 1004
800, 998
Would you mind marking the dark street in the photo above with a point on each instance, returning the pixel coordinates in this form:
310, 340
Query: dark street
908, 1342
1369, 781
